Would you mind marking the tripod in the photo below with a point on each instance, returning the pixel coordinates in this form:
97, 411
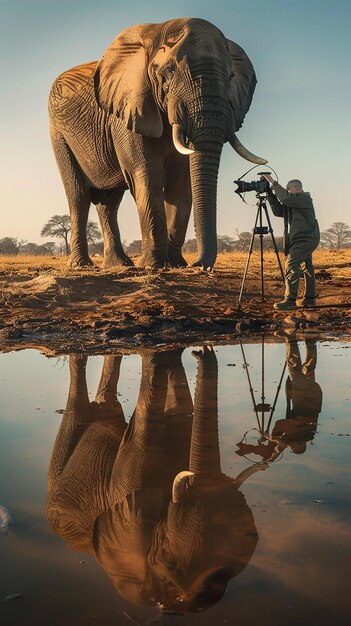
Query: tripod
261, 231
265, 446
263, 406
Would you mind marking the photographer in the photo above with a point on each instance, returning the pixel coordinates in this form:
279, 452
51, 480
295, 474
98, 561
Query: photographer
296, 206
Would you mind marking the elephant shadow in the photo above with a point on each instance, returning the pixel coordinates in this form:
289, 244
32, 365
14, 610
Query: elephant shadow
148, 499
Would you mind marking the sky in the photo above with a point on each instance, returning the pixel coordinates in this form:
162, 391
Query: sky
298, 120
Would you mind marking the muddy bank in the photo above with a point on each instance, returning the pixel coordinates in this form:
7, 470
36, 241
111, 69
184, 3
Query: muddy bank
53, 309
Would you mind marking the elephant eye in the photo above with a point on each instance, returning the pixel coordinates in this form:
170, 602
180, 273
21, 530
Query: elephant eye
168, 74
169, 70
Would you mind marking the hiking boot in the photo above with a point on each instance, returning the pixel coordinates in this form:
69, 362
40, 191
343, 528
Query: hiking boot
307, 302
288, 304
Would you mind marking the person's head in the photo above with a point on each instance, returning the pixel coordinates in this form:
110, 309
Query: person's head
298, 447
294, 186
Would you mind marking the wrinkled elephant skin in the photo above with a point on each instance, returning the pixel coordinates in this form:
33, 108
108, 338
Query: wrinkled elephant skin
151, 115
118, 491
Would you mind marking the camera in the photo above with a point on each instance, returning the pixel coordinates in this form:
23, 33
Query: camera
260, 186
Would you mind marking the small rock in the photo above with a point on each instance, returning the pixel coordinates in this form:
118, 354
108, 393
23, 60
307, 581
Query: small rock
5, 519
12, 596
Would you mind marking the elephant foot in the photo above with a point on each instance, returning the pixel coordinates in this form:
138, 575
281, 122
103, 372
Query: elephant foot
76, 260
175, 257
152, 260
113, 259
206, 263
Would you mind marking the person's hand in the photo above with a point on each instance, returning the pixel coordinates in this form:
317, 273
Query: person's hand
268, 177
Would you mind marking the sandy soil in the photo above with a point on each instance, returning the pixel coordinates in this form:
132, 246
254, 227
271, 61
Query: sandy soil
47, 306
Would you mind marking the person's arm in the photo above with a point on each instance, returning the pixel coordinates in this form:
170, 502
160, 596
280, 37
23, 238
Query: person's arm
291, 200
280, 192
276, 206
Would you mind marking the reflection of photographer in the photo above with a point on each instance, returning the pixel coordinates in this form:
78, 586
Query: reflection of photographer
296, 206
303, 405
303, 395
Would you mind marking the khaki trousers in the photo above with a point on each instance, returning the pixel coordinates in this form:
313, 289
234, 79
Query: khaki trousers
298, 262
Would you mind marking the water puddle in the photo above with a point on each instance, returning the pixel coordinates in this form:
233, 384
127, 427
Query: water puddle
204, 485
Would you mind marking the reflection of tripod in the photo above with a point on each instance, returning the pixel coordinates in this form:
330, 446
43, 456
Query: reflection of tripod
262, 407
260, 230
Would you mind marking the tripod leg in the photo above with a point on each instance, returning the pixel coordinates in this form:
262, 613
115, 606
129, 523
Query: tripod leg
261, 252
274, 243
248, 256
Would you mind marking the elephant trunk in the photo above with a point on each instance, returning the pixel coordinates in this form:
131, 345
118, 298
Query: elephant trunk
204, 451
203, 175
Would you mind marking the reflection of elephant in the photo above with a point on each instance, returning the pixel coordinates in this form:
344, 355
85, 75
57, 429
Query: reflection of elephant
84, 452
159, 92
174, 529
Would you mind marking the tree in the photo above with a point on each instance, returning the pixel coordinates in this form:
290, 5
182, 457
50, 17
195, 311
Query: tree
190, 245
337, 236
94, 237
134, 248
11, 245
93, 232
58, 226
243, 240
225, 243
34, 249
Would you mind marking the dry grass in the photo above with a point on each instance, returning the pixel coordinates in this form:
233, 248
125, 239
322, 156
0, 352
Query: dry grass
25, 264
337, 262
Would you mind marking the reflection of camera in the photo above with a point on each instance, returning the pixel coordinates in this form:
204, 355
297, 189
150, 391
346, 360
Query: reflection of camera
260, 186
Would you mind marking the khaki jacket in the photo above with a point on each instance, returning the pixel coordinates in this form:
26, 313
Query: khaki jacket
302, 218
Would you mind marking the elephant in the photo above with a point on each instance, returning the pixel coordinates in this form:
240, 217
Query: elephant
161, 518
151, 116
85, 446
89, 440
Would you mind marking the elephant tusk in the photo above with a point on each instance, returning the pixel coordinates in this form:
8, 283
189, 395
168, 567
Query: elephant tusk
179, 485
240, 149
179, 140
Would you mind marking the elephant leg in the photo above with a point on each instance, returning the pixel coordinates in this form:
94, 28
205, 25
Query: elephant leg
107, 389
84, 453
107, 405
79, 199
147, 190
76, 417
178, 202
107, 205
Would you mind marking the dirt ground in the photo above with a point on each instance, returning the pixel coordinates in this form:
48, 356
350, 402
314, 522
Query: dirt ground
47, 306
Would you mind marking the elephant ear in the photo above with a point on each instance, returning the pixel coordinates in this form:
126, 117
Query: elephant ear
242, 85
122, 85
